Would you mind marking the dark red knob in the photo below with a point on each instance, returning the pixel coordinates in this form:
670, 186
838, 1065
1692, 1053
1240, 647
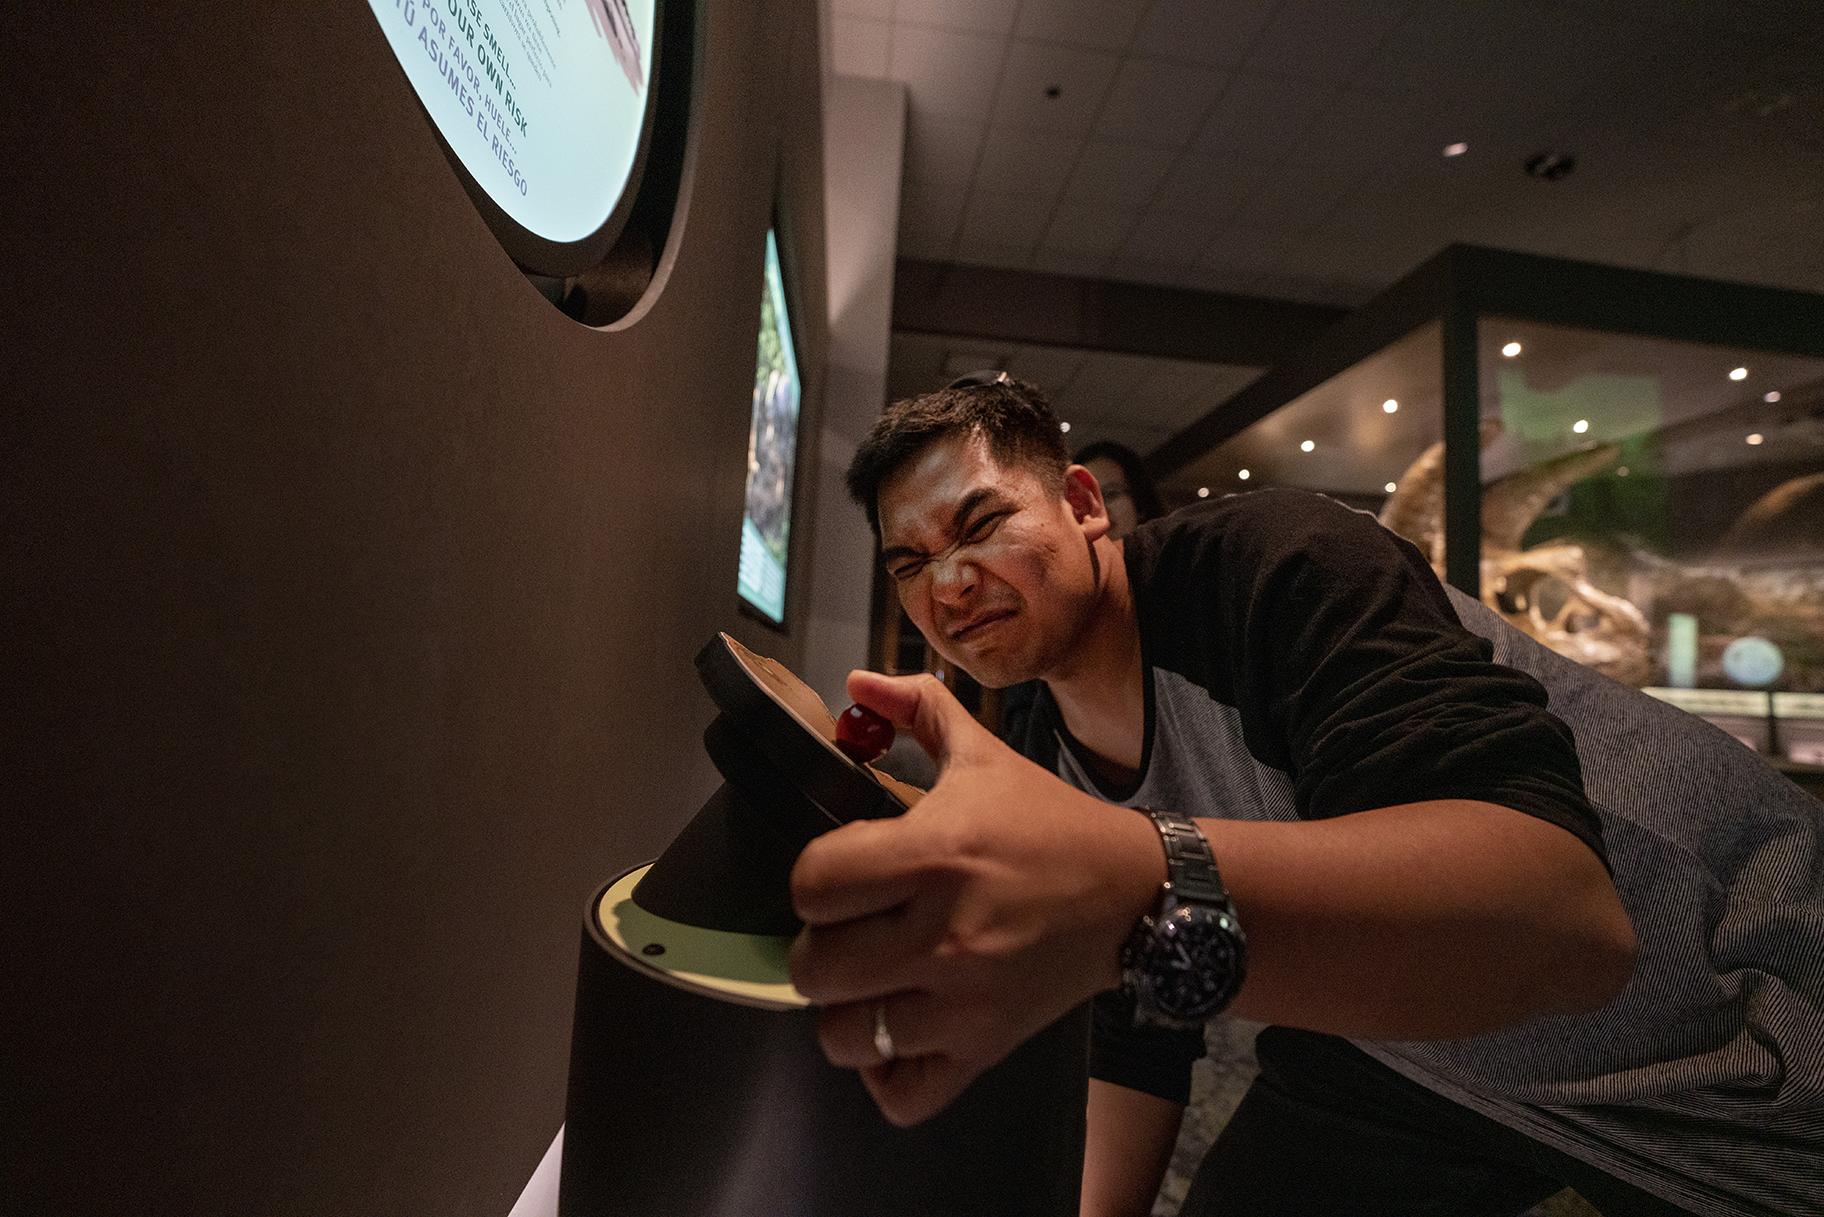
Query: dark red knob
862, 734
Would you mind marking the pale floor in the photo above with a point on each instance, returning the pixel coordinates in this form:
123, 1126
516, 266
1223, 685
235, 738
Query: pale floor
1217, 1084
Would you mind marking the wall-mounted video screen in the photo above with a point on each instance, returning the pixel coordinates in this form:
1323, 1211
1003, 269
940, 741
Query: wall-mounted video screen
543, 104
772, 450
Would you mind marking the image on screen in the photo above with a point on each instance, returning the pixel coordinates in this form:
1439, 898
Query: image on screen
541, 100
772, 447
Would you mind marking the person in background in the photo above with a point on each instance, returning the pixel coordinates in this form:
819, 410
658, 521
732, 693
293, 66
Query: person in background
1127, 488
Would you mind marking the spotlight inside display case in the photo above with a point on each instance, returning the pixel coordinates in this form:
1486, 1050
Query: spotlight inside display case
1627, 466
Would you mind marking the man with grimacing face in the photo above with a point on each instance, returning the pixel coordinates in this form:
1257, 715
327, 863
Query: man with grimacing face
1506, 919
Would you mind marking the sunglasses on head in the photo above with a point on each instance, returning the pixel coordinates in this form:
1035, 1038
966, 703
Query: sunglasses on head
976, 380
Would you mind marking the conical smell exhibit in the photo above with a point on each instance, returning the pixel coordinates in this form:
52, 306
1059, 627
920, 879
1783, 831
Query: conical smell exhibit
697, 1086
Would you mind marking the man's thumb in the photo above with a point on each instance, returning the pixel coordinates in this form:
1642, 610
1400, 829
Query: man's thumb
921, 704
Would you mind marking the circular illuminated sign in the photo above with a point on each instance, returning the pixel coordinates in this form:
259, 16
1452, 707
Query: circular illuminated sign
1753, 661
544, 105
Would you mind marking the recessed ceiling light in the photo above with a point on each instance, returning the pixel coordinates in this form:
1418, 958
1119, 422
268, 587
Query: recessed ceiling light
1243, 475
1511, 349
1392, 486
1455, 149
1390, 405
1551, 165
1203, 492
1581, 425
1739, 374
1772, 397
1756, 438
1306, 446
1064, 426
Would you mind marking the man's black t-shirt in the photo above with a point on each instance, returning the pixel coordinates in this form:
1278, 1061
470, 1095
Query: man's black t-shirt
1302, 662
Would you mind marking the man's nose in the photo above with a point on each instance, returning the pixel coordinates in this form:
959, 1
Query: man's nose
953, 577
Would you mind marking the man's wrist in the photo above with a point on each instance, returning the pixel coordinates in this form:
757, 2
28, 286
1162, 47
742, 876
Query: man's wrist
1185, 963
1139, 873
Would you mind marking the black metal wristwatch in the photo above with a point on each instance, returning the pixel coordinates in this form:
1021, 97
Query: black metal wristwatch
1184, 963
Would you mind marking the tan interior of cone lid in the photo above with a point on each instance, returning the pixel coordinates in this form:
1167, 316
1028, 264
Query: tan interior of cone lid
803, 704
747, 968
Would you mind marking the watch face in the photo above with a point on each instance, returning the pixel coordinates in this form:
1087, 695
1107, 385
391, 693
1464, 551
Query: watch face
1195, 962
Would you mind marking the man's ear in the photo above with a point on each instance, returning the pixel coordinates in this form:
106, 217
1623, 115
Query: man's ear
1084, 495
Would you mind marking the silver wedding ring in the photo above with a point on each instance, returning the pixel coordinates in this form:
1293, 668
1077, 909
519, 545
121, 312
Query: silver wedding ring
883, 1039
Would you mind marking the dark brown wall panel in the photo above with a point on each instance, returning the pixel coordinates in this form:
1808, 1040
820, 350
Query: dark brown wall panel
351, 593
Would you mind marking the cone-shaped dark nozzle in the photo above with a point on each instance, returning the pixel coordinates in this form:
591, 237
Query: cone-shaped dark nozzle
730, 869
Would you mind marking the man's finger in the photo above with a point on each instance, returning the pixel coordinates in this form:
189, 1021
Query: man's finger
866, 956
862, 868
917, 1024
912, 1090
921, 704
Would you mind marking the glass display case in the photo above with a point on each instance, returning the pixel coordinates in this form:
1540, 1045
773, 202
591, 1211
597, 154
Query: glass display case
1628, 466
1654, 507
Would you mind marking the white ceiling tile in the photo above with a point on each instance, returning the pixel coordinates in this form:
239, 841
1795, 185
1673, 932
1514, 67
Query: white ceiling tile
1113, 388
1095, 232
982, 16
1365, 132
942, 150
1325, 146
872, 10
1160, 400
1081, 77
1050, 368
1296, 198
1118, 175
1323, 39
1177, 380
857, 47
1252, 251
1017, 161
1387, 242
1262, 116
1768, 19
1443, 47
1103, 24
1217, 32
1004, 220
1344, 263
1167, 238
1218, 185
947, 73
1740, 240
1563, 219
1154, 101
930, 210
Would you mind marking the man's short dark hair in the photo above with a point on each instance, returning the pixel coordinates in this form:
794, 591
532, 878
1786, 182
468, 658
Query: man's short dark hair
1011, 416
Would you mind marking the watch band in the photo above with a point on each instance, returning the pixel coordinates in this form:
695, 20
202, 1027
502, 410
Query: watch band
1190, 868
1152, 957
